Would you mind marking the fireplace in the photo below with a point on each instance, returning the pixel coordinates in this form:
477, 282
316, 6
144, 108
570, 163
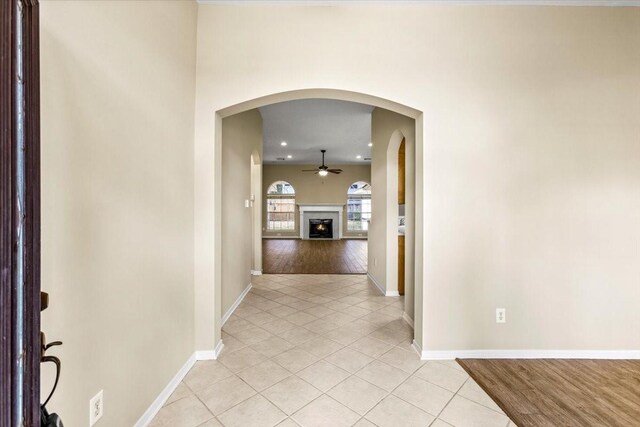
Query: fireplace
321, 211
321, 228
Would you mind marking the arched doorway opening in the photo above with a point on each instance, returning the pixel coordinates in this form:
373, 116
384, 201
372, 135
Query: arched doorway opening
208, 284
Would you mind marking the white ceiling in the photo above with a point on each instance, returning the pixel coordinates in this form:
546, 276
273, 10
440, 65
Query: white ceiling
309, 125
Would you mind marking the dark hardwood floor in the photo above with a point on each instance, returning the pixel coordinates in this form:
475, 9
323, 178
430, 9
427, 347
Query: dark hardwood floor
554, 392
295, 256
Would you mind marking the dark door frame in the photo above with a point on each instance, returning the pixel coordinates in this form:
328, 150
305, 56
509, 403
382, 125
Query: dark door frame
19, 25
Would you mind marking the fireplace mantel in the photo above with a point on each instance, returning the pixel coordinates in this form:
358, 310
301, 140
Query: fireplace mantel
321, 207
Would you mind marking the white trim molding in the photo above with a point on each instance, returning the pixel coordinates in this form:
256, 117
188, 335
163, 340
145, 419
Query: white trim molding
376, 284
218, 349
417, 348
210, 354
151, 412
381, 289
256, 272
407, 319
527, 354
320, 207
235, 305
164, 395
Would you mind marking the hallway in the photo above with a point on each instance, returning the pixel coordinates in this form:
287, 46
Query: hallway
323, 350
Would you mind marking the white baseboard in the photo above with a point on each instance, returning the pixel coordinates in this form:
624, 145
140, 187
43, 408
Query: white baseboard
210, 354
407, 319
417, 348
528, 354
256, 272
376, 284
381, 289
235, 305
151, 412
157, 404
218, 349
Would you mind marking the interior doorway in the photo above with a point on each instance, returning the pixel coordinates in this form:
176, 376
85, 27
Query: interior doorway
330, 94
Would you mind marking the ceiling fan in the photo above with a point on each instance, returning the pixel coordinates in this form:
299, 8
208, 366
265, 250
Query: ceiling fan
323, 170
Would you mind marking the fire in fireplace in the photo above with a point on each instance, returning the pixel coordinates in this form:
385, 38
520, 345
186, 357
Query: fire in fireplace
320, 228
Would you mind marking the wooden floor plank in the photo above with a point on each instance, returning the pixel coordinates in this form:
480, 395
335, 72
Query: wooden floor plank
296, 256
551, 392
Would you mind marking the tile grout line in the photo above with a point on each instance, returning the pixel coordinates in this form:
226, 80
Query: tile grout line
264, 292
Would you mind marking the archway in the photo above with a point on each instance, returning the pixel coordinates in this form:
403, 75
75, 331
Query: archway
208, 292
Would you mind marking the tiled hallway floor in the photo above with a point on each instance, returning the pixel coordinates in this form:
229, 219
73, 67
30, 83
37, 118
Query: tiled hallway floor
324, 350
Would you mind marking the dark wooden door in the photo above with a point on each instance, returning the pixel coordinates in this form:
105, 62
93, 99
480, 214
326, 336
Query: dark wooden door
20, 213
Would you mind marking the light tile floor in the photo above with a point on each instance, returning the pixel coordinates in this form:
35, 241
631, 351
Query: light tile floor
324, 350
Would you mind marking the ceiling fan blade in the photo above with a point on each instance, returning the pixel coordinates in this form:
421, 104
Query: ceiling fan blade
309, 170
336, 171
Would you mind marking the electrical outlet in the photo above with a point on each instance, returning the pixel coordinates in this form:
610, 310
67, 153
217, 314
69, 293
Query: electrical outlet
501, 315
96, 408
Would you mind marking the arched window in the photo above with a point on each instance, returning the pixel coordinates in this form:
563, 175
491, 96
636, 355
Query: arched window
358, 206
281, 206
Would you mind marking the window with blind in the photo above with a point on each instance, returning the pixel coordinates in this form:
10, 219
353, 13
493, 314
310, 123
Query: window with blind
358, 206
281, 207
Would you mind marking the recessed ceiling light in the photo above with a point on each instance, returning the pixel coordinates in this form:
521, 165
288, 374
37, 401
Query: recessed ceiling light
283, 143
289, 156
370, 144
358, 156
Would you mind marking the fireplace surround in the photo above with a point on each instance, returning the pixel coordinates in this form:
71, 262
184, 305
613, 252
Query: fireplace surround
320, 211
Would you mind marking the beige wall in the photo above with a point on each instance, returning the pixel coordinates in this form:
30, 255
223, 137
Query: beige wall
241, 137
527, 150
118, 88
310, 188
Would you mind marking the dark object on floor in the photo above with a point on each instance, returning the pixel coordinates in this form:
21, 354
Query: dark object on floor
561, 392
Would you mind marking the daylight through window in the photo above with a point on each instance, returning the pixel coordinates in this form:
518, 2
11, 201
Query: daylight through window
358, 206
281, 207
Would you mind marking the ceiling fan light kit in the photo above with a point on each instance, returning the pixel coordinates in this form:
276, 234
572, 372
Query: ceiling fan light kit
323, 170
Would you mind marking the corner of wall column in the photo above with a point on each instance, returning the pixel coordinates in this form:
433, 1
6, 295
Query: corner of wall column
420, 220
